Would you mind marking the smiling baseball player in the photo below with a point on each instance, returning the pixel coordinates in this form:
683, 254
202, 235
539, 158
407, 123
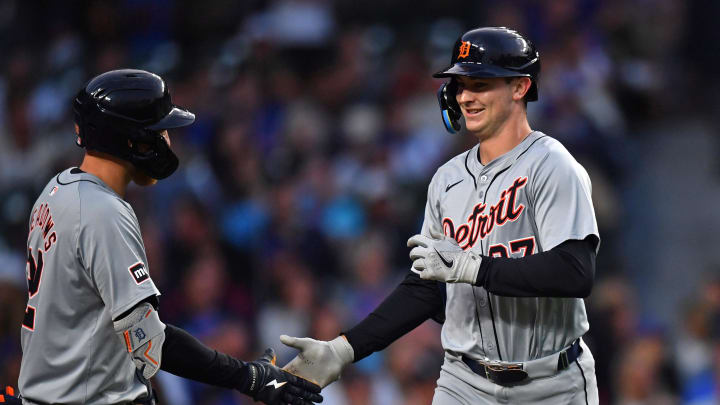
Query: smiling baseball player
506, 252
92, 333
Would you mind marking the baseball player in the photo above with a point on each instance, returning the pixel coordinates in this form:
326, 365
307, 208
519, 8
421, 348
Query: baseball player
506, 252
91, 332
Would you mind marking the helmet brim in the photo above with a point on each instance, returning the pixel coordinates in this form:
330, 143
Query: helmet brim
477, 70
176, 118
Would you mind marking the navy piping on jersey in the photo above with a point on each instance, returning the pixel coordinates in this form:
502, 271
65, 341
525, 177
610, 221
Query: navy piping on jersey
492, 313
74, 170
582, 373
492, 317
529, 146
477, 317
467, 155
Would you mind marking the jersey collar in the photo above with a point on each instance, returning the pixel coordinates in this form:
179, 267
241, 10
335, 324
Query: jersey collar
73, 175
501, 162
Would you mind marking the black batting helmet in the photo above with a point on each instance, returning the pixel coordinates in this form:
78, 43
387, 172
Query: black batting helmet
487, 52
122, 112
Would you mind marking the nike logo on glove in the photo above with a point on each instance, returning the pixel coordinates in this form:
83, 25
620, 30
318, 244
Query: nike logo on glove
276, 384
453, 185
445, 261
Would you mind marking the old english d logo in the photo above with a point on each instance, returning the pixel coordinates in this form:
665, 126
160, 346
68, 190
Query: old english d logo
464, 50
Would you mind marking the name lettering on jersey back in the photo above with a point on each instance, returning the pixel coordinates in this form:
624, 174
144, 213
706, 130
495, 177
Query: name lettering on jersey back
480, 223
41, 219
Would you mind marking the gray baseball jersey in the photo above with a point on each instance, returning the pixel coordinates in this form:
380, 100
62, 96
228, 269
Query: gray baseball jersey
86, 266
528, 200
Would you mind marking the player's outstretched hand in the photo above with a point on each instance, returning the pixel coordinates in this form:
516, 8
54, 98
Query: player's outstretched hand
319, 361
443, 260
7, 396
274, 386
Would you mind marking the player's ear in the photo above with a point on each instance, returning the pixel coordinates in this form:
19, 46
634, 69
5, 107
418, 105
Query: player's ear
520, 87
78, 140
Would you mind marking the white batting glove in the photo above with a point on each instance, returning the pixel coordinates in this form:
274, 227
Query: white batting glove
443, 260
319, 361
143, 334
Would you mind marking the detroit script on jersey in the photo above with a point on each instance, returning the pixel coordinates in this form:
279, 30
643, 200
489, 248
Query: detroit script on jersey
480, 223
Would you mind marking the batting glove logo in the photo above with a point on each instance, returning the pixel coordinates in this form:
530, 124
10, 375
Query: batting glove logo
276, 384
446, 262
140, 334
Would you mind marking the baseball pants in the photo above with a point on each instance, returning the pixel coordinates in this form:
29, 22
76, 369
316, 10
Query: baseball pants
575, 385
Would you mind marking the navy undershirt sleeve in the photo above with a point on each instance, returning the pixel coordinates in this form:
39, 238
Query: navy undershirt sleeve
411, 303
187, 357
567, 270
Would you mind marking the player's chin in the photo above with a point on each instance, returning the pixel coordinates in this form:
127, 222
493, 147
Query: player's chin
474, 126
474, 120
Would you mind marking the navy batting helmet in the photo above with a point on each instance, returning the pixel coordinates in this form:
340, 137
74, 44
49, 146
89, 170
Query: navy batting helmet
487, 52
122, 113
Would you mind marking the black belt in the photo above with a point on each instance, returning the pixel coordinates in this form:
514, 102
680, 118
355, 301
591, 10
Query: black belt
511, 373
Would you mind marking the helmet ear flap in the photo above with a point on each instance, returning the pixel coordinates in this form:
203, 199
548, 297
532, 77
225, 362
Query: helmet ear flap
157, 161
449, 107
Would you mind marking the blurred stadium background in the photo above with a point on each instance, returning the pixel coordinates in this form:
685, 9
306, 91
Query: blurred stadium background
317, 134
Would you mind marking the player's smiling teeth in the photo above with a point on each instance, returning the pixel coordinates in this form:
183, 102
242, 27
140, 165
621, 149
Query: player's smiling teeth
474, 110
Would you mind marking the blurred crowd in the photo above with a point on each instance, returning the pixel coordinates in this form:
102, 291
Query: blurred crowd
306, 170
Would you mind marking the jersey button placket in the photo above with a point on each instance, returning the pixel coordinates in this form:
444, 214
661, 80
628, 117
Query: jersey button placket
483, 180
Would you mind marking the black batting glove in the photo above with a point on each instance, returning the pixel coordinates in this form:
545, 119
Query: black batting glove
7, 396
274, 386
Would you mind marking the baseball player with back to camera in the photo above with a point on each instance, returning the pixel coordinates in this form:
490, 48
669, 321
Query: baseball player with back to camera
91, 332
506, 252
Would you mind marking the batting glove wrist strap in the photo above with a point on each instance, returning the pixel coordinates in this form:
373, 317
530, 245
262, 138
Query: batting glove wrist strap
342, 349
443, 260
143, 335
319, 361
273, 386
